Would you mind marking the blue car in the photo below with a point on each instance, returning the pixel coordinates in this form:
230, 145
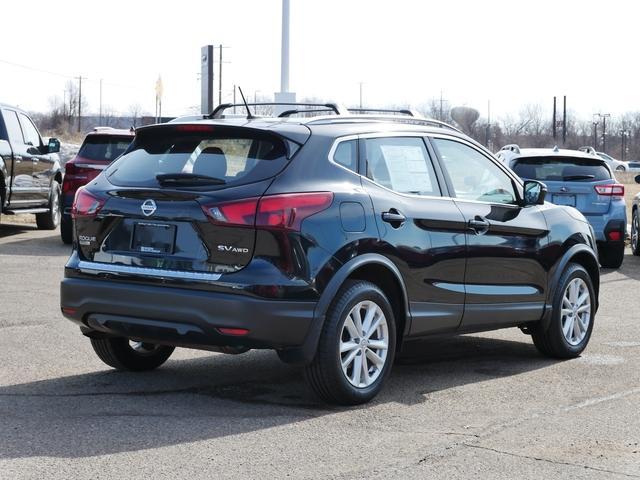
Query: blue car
581, 180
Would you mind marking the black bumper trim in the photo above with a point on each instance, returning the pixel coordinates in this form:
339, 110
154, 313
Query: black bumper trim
184, 317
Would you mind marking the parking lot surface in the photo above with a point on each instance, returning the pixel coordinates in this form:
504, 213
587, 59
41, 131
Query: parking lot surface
475, 406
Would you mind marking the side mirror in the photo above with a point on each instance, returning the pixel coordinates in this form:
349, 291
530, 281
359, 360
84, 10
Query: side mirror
637, 179
535, 192
54, 145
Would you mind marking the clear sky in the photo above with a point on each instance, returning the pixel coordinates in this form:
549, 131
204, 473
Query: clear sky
404, 51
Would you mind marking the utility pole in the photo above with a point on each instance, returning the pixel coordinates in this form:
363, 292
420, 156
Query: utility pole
564, 120
554, 118
360, 94
220, 78
100, 101
441, 116
604, 117
488, 131
234, 99
79, 103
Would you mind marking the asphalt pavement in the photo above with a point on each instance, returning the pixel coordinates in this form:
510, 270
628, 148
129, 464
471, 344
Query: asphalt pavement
476, 406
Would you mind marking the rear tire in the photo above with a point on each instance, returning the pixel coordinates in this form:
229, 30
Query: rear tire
611, 254
66, 229
51, 219
122, 354
356, 347
572, 317
635, 233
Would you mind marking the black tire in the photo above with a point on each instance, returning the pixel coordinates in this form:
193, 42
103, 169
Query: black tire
552, 342
635, 233
66, 229
325, 374
611, 255
119, 354
51, 219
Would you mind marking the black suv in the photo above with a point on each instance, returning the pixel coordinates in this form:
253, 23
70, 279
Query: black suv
332, 239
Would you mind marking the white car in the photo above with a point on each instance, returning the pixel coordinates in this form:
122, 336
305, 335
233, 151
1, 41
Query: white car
616, 165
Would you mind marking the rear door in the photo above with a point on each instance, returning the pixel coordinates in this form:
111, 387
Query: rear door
570, 180
421, 230
506, 278
24, 192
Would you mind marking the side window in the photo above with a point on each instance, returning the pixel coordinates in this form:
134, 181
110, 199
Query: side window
347, 155
401, 164
31, 135
473, 175
13, 127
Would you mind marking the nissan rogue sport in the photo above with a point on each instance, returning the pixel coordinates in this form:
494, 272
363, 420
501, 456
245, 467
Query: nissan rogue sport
332, 239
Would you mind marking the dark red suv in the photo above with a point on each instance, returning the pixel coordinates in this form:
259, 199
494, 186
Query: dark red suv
99, 149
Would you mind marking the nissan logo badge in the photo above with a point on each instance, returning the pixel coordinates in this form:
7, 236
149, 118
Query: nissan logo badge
148, 207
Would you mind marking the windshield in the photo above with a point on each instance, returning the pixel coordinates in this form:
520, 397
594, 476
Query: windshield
103, 147
231, 155
561, 169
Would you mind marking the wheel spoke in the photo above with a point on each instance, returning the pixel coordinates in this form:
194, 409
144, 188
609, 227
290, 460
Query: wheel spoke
374, 326
566, 303
582, 299
348, 360
566, 326
375, 358
357, 369
566, 311
378, 344
370, 314
351, 327
348, 346
576, 330
584, 308
366, 378
357, 320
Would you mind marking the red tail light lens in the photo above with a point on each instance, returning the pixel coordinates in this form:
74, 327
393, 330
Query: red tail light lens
76, 177
286, 211
615, 236
86, 204
610, 190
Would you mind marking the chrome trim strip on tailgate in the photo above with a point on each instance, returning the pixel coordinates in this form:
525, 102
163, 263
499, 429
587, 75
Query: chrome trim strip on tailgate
96, 268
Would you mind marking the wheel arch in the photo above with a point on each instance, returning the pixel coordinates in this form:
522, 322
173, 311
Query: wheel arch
374, 268
583, 256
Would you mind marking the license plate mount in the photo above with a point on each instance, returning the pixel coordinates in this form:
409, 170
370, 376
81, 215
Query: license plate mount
152, 237
569, 200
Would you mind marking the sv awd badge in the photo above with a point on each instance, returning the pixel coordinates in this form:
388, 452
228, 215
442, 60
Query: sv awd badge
232, 249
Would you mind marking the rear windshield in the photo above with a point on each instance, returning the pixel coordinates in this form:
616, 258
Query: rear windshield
104, 147
561, 169
235, 156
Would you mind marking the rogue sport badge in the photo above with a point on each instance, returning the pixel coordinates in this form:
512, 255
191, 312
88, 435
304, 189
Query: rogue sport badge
148, 207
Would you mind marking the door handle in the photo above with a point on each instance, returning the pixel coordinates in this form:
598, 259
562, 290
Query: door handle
393, 216
479, 225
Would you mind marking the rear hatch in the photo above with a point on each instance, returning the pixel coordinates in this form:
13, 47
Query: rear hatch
572, 181
183, 198
95, 154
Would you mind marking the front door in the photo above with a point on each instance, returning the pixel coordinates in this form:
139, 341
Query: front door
23, 191
42, 162
505, 279
421, 231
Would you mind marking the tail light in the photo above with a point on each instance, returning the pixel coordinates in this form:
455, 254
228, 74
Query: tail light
285, 211
86, 204
610, 190
76, 176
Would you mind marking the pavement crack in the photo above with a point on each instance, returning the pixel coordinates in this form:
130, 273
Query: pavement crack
547, 460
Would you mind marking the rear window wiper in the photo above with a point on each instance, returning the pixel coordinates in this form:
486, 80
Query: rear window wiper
578, 177
188, 179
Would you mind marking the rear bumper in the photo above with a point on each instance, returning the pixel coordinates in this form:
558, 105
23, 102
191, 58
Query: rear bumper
181, 317
604, 224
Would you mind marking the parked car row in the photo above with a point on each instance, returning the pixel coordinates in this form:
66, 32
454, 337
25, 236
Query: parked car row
333, 239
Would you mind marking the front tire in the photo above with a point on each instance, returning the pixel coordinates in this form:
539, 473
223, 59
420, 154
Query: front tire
572, 317
123, 354
611, 255
51, 219
635, 232
356, 347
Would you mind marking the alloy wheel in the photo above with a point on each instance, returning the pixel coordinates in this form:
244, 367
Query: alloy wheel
364, 343
576, 311
634, 232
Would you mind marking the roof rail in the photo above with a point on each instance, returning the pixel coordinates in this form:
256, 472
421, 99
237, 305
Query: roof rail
430, 122
512, 148
333, 107
402, 111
